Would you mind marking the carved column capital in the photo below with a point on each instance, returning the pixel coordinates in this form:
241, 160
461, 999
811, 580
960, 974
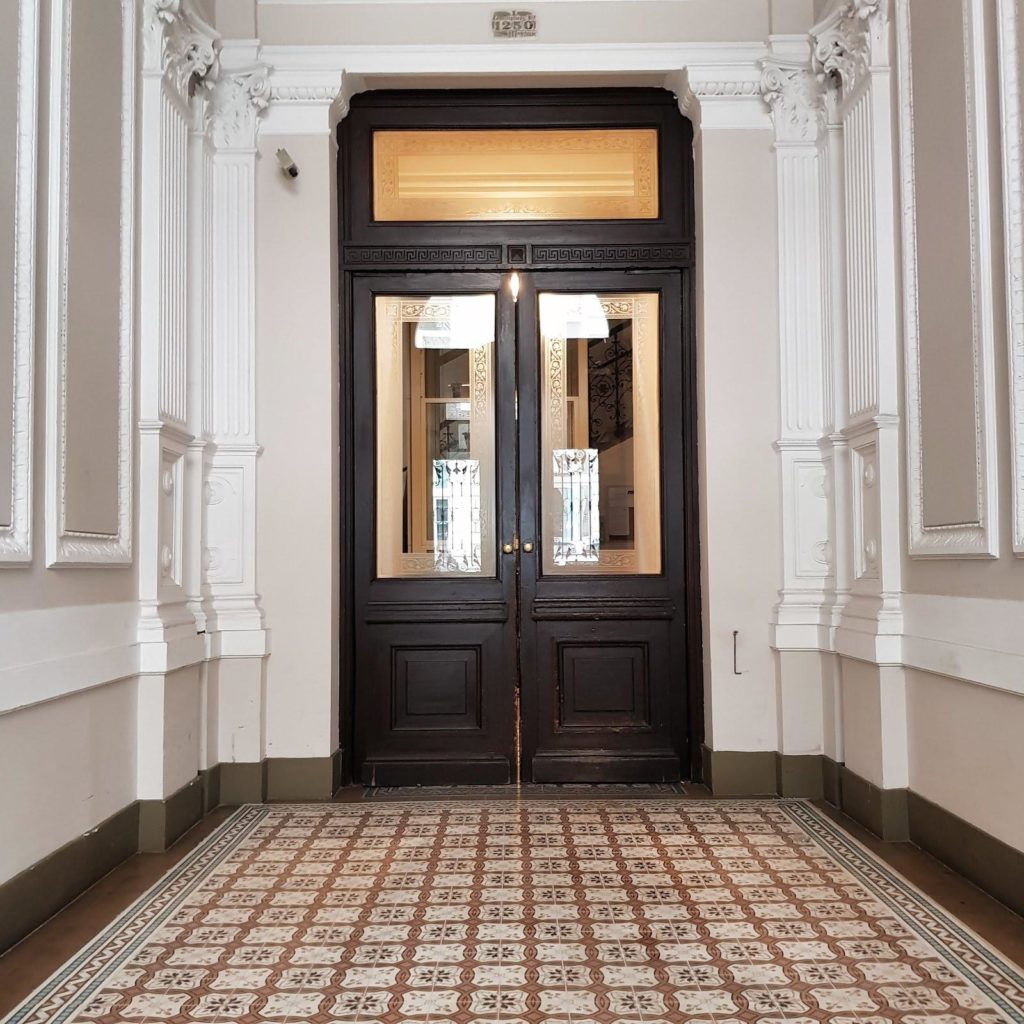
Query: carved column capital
237, 98
796, 98
851, 39
179, 43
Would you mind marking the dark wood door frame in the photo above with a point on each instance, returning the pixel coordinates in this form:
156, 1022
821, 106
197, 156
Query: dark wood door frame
668, 243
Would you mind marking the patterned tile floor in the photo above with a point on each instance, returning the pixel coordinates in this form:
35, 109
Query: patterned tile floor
642, 912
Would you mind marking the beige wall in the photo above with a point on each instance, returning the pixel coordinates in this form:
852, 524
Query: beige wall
966, 752
93, 267
68, 765
297, 401
942, 180
739, 413
572, 22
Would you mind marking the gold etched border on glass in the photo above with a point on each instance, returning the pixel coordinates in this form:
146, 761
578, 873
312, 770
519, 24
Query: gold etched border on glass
555, 405
536, 174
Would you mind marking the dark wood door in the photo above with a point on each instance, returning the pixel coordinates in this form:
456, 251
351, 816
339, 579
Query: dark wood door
435, 674
602, 559
520, 556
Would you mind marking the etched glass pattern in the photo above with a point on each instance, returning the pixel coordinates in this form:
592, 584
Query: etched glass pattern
457, 515
577, 485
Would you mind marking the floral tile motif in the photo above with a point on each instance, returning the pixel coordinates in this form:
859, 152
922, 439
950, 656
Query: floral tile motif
554, 911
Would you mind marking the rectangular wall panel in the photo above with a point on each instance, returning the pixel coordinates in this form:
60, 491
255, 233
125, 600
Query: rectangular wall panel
89, 282
1010, 14
947, 250
19, 66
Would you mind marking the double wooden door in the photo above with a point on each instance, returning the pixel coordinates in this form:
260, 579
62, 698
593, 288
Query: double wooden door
519, 538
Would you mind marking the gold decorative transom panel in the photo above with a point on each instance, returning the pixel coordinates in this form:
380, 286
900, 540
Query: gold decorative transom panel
515, 174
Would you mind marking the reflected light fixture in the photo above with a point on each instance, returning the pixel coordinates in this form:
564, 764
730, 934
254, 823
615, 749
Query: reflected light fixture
513, 285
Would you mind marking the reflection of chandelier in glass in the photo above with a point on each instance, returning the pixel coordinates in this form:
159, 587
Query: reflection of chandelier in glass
461, 322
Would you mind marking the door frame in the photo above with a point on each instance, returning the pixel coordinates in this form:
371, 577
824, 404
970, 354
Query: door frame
660, 245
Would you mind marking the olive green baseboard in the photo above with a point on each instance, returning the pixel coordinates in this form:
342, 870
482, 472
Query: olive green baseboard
151, 826
163, 822
988, 862
762, 773
881, 811
280, 778
49, 885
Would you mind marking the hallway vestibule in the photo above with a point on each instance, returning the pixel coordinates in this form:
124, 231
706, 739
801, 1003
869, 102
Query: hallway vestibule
176, 617
539, 909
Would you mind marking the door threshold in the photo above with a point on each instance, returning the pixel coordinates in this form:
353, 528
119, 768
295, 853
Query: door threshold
532, 791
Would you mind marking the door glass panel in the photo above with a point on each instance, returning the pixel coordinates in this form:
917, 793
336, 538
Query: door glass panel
600, 451
435, 435
515, 174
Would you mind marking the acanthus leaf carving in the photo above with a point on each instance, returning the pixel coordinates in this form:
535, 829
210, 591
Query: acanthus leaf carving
796, 99
237, 98
179, 43
849, 41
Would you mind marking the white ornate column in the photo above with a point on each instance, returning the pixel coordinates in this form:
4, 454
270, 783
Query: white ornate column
851, 49
179, 55
237, 641
795, 98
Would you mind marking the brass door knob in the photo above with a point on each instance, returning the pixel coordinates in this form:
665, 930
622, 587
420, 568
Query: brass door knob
507, 548
528, 546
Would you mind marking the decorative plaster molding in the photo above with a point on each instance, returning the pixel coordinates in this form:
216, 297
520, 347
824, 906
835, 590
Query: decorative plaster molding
16, 528
63, 546
236, 99
795, 96
976, 539
1012, 115
849, 40
305, 79
179, 43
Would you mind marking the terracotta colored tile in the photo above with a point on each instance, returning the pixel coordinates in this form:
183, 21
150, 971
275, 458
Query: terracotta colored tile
760, 912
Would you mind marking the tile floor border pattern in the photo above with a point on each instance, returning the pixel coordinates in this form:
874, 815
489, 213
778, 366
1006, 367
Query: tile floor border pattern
938, 935
1001, 980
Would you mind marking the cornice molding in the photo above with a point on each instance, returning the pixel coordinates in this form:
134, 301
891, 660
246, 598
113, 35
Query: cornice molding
850, 40
237, 98
718, 85
795, 96
179, 43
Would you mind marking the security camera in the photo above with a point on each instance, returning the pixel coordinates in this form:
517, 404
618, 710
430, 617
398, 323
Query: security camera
288, 165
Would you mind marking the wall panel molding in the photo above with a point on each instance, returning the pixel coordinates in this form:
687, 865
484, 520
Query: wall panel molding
1009, 15
16, 522
65, 547
979, 538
